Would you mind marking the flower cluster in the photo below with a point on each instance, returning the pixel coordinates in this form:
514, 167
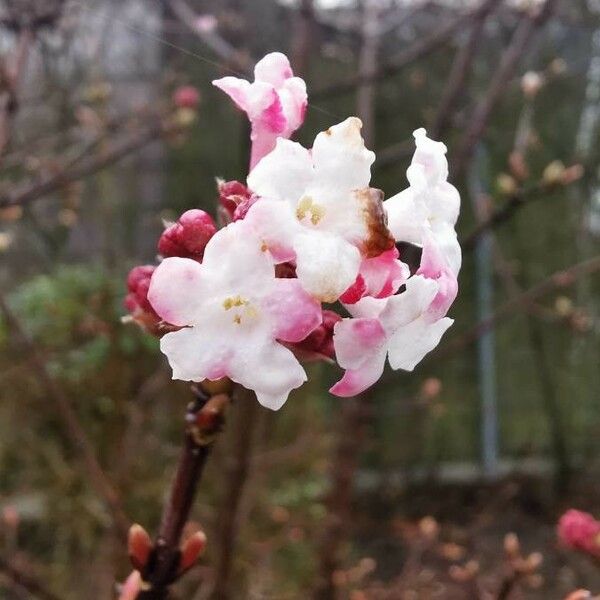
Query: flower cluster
306, 229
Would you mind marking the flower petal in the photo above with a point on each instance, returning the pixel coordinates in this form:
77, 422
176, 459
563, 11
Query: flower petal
358, 380
295, 313
273, 68
409, 305
326, 265
283, 174
407, 216
237, 261
188, 278
355, 340
271, 370
197, 353
342, 163
410, 343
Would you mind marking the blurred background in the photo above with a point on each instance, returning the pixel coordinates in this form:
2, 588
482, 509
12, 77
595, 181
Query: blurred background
407, 492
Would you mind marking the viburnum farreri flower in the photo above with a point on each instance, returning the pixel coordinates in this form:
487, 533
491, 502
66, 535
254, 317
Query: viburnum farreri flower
317, 209
275, 102
233, 313
244, 302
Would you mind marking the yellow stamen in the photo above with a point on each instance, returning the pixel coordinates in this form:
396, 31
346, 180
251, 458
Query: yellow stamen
307, 206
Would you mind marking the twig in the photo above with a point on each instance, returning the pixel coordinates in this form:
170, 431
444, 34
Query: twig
303, 37
350, 436
560, 279
461, 69
84, 167
73, 428
204, 420
515, 202
25, 581
248, 411
421, 48
219, 45
508, 64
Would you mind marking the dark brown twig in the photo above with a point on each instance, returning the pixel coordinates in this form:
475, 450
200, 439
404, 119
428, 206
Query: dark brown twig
515, 202
204, 420
421, 48
84, 167
558, 280
247, 413
73, 428
349, 438
461, 69
508, 63
25, 581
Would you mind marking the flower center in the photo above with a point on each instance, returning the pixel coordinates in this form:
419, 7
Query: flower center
242, 309
307, 206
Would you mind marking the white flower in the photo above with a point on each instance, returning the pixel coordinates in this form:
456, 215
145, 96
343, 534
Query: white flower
429, 204
317, 208
234, 313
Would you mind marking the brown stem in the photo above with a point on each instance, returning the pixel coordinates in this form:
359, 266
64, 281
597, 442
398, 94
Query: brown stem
508, 64
25, 581
350, 437
204, 418
461, 69
73, 428
85, 167
418, 50
247, 413
515, 202
302, 40
558, 280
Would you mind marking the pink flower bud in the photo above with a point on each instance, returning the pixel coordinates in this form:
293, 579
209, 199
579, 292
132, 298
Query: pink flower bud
191, 549
188, 237
139, 546
186, 96
233, 194
581, 531
138, 282
319, 344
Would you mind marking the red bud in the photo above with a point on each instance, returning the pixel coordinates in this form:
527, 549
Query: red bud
139, 546
191, 550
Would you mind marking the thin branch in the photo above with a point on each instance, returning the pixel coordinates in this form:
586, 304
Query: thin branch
558, 280
461, 69
73, 428
219, 45
26, 581
248, 412
510, 59
204, 420
515, 202
350, 437
84, 167
421, 48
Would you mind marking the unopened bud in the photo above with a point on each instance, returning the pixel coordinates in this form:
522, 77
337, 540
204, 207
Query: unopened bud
431, 388
184, 117
553, 173
191, 550
188, 237
558, 66
231, 195
579, 595
518, 166
531, 84
318, 345
139, 546
572, 174
12, 213
186, 96
429, 527
512, 546
506, 184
